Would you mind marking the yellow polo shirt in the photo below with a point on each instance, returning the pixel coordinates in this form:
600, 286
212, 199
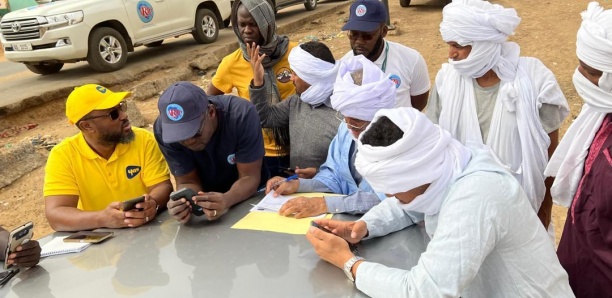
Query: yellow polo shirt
73, 168
235, 72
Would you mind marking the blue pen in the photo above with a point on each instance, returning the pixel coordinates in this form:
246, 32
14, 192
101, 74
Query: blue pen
292, 177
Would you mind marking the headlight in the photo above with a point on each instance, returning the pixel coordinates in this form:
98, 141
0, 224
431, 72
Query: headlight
64, 19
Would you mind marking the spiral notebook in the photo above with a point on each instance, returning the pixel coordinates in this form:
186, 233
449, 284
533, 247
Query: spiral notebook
57, 246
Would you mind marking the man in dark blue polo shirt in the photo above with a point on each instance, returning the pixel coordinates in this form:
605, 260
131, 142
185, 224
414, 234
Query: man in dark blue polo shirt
213, 145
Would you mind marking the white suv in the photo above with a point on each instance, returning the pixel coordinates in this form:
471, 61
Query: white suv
46, 36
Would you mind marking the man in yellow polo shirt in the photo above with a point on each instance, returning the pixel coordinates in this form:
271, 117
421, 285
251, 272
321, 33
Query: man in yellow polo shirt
254, 24
89, 174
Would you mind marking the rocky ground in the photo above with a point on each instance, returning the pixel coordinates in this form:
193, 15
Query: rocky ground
547, 31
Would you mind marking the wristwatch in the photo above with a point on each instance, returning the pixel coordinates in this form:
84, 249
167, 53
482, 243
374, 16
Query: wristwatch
349, 265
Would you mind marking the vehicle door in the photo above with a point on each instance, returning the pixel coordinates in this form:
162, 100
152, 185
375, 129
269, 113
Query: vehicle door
148, 18
182, 12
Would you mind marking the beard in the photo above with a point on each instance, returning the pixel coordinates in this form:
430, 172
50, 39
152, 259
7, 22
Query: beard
376, 50
117, 138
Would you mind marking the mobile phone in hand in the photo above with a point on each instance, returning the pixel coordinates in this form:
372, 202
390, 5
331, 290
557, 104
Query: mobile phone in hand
17, 237
131, 204
352, 246
188, 193
320, 227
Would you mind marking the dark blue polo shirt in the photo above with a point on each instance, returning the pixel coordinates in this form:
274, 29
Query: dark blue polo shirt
238, 139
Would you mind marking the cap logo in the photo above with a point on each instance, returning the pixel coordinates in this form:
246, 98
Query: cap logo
361, 10
101, 89
174, 112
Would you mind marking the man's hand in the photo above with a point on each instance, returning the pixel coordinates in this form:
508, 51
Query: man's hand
351, 231
180, 210
306, 173
285, 188
329, 247
113, 216
136, 218
304, 207
256, 59
25, 255
213, 203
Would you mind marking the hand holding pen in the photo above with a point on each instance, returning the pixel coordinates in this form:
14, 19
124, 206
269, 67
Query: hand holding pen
282, 185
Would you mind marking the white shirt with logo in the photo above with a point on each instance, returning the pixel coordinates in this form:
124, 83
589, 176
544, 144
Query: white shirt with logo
406, 68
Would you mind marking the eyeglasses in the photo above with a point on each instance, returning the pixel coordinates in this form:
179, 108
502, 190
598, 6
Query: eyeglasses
365, 36
114, 114
351, 126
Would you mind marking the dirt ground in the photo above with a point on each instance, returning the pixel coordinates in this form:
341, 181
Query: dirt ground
547, 31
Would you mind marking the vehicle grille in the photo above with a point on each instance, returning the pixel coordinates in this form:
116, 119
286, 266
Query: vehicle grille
20, 29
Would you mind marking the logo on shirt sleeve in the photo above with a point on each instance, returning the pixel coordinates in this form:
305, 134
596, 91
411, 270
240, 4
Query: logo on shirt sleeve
231, 159
132, 171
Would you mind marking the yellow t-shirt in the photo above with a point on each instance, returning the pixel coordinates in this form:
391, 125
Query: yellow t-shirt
235, 72
73, 168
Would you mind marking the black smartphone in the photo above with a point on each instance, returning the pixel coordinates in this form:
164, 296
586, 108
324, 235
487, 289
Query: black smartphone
352, 247
320, 227
188, 193
289, 171
131, 204
7, 275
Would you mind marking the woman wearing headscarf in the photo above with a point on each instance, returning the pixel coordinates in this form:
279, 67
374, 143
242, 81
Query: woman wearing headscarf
254, 24
582, 163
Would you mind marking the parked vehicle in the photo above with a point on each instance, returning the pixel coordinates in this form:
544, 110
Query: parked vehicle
280, 4
46, 36
406, 3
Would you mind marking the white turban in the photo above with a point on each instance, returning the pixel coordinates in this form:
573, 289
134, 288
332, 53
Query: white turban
425, 154
594, 42
376, 92
319, 74
485, 27
593, 47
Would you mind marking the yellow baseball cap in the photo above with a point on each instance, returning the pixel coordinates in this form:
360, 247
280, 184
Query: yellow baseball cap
90, 97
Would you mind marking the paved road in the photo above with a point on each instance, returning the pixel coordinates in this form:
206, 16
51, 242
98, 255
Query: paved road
19, 88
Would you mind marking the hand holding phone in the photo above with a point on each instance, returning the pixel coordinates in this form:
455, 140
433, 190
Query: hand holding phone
131, 204
188, 194
352, 246
17, 237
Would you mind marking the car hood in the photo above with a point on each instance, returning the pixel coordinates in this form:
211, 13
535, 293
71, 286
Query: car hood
46, 9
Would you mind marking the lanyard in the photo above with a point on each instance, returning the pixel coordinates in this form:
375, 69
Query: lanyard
384, 65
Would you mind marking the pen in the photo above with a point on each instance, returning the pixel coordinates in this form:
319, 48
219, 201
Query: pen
292, 177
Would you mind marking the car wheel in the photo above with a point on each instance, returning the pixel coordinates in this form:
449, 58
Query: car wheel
404, 3
310, 4
154, 44
107, 50
44, 68
206, 26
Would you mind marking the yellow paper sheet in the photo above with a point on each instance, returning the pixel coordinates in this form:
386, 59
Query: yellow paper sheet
273, 222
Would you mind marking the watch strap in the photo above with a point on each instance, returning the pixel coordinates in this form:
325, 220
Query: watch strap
348, 266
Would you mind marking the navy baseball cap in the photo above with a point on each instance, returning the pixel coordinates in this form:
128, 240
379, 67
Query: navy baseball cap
181, 108
366, 15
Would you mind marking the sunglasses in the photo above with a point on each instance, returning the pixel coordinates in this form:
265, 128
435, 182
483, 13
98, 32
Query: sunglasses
365, 36
113, 114
351, 126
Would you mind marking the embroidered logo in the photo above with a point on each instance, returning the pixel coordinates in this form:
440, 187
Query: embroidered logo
132, 171
174, 112
283, 75
101, 89
396, 80
361, 10
145, 11
231, 159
